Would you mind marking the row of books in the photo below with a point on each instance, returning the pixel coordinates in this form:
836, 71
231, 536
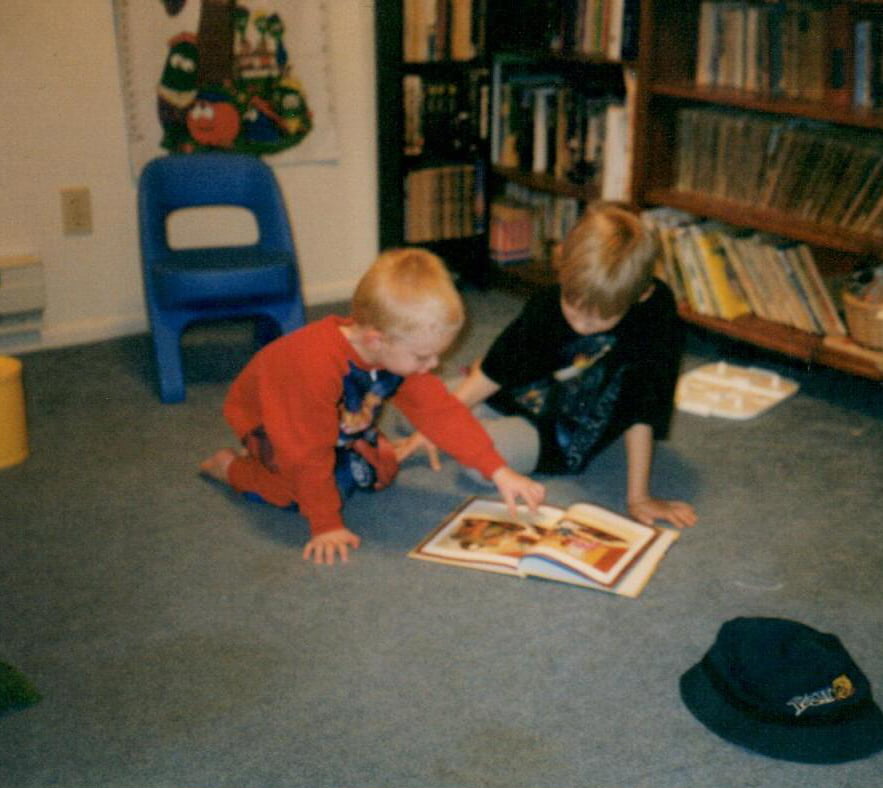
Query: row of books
435, 30
867, 90
814, 171
805, 50
778, 48
606, 29
601, 30
726, 272
446, 116
545, 126
525, 224
444, 202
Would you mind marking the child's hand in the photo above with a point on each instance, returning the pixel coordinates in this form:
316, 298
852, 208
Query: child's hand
413, 443
324, 548
648, 510
512, 485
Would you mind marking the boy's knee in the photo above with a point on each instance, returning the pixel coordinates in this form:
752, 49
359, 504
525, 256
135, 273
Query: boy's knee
517, 440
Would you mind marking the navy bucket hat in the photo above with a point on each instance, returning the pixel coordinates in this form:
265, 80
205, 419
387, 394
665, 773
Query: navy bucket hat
785, 690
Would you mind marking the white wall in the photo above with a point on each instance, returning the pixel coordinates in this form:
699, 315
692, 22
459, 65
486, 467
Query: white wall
63, 126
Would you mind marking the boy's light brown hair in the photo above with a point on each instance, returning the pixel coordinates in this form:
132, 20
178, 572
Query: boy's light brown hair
408, 291
607, 260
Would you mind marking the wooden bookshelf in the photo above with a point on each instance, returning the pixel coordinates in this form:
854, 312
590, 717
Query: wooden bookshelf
792, 342
665, 85
582, 86
404, 53
540, 36
668, 56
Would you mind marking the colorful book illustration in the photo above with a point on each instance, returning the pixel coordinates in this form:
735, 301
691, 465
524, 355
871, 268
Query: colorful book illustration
584, 545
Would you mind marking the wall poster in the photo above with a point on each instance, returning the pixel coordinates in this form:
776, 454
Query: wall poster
240, 75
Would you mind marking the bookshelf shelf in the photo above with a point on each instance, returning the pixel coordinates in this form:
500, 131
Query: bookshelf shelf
763, 333
440, 67
547, 183
789, 341
673, 51
431, 154
559, 126
815, 110
524, 277
767, 220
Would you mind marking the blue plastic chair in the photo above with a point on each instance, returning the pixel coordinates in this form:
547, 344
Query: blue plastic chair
186, 285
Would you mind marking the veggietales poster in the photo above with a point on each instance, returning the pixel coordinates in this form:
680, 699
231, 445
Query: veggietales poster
226, 75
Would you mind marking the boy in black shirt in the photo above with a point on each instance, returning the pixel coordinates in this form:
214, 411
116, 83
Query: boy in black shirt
588, 359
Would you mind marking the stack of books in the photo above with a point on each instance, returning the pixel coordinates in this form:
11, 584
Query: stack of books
435, 30
726, 272
511, 232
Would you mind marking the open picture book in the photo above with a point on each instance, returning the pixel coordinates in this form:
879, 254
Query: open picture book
584, 544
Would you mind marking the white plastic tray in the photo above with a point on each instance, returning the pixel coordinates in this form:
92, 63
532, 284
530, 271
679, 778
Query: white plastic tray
730, 391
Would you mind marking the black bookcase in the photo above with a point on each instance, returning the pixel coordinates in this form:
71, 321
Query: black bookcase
538, 34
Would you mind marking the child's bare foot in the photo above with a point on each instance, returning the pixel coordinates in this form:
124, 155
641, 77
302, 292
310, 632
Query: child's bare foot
216, 466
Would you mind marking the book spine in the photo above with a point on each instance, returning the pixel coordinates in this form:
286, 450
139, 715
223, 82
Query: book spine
776, 24
615, 19
741, 272
479, 198
810, 320
631, 23
753, 258
708, 44
728, 299
861, 97
698, 295
823, 304
795, 313
839, 26
877, 64
614, 183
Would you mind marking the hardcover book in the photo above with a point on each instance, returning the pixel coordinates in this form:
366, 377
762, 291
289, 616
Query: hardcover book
584, 545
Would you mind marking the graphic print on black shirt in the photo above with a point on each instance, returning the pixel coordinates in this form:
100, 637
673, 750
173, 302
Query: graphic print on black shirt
631, 382
575, 405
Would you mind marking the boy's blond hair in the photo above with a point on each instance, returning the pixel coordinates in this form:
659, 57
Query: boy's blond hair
408, 291
607, 260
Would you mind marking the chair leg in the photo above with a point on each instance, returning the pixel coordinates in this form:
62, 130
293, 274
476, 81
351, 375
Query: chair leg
266, 329
169, 368
288, 317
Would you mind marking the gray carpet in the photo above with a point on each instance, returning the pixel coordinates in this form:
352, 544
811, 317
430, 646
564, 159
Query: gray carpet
178, 639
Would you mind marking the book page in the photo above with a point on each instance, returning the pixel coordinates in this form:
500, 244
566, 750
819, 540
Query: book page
630, 583
596, 543
483, 534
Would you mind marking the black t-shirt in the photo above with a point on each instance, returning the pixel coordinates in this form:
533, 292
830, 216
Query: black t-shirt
582, 392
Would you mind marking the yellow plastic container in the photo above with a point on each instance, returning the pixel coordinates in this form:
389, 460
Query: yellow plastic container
13, 427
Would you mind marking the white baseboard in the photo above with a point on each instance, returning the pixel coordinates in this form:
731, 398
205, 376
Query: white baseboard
76, 332
81, 332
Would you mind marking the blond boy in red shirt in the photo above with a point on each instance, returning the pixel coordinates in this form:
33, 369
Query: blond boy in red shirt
305, 407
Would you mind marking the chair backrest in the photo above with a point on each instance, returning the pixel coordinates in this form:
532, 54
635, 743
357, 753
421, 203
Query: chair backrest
178, 181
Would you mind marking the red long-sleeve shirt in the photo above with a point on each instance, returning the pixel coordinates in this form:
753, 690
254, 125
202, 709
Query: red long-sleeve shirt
292, 388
